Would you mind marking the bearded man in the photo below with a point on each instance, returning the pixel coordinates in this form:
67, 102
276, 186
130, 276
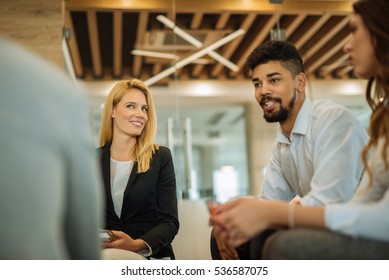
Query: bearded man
316, 156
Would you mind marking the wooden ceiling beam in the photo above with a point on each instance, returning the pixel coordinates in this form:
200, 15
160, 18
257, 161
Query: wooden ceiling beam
196, 21
140, 33
220, 24
293, 26
222, 21
73, 45
157, 67
117, 43
171, 14
198, 68
338, 63
231, 47
258, 39
312, 31
94, 43
313, 67
225, 16
291, 6
314, 48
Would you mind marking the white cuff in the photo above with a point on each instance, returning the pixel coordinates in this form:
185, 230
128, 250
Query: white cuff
146, 252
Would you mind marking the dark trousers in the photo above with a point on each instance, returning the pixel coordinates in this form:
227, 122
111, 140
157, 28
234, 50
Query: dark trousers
308, 244
252, 250
315, 244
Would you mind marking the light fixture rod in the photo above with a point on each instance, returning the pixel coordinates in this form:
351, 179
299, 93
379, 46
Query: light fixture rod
184, 35
155, 54
194, 56
192, 40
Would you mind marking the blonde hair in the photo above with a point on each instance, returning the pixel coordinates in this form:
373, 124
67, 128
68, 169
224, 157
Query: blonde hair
144, 147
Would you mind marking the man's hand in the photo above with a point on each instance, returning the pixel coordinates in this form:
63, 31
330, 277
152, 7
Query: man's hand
242, 218
227, 252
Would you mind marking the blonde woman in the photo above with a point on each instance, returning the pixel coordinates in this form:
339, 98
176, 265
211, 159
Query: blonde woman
139, 178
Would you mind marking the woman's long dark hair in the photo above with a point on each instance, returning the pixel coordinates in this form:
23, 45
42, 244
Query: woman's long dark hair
375, 15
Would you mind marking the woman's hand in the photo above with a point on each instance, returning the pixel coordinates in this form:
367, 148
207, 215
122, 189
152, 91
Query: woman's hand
124, 241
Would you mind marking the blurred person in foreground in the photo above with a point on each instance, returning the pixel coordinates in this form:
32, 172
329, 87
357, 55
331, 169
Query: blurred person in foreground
358, 229
51, 194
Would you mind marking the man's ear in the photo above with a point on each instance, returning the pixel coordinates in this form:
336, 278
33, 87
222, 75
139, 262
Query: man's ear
301, 82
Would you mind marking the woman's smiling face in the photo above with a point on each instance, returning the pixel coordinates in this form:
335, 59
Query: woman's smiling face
130, 115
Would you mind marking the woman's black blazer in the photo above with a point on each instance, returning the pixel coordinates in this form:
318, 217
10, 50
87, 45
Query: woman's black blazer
149, 209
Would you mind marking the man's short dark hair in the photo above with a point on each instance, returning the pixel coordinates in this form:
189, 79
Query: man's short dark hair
281, 51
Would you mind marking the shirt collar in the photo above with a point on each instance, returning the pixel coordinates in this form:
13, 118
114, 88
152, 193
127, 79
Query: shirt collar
301, 123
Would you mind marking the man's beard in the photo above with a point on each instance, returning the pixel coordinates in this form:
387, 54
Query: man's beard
283, 113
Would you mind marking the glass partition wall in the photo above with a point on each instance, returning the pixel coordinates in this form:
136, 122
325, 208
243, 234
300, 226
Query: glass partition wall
208, 143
